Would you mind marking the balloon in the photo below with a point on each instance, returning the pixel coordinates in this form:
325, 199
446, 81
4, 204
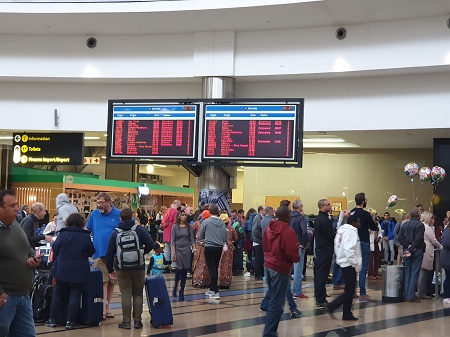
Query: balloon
392, 201
425, 173
411, 169
437, 174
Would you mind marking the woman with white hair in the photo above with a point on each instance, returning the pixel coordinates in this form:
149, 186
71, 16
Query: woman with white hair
428, 257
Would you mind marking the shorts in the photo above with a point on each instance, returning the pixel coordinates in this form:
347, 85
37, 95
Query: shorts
100, 263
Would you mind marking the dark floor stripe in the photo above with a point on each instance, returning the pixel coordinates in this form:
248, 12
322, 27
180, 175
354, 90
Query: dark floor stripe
341, 332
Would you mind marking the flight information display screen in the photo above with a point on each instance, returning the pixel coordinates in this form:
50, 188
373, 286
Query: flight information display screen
266, 132
154, 131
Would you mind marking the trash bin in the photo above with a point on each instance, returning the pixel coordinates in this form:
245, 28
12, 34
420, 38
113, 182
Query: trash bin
393, 280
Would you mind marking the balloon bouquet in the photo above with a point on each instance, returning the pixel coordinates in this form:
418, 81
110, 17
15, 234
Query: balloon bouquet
435, 175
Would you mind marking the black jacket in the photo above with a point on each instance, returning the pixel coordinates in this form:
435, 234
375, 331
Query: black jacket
324, 233
71, 251
28, 225
411, 235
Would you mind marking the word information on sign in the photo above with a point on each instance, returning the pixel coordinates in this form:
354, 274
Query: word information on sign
154, 131
250, 132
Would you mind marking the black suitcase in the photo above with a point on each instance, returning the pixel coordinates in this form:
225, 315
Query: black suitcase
91, 310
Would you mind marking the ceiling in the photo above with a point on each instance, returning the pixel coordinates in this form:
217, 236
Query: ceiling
166, 17
178, 17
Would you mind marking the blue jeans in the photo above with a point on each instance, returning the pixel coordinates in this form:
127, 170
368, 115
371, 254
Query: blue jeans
266, 300
16, 317
298, 273
412, 269
365, 252
278, 283
447, 284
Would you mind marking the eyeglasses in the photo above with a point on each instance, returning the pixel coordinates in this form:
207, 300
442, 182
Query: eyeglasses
100, 202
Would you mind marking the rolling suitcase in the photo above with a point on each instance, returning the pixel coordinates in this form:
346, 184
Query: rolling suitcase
158, 301
41, 297
91, 310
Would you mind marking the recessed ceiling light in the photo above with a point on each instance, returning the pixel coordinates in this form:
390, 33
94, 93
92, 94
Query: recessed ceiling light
6, 137
159, 165
106, 135
91, 138
323, 140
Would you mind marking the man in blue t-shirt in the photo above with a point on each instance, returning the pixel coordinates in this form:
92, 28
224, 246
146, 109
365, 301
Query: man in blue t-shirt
101, 223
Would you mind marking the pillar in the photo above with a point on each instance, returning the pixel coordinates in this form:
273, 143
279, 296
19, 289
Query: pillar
214, 181
441, 200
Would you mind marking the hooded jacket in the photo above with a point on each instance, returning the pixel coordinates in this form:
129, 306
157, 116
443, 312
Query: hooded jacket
347, 247
300, 226
280, 247
65, 208
214, 232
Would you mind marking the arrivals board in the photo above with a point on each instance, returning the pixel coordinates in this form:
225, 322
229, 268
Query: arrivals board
48, 148
264, 132
153, 131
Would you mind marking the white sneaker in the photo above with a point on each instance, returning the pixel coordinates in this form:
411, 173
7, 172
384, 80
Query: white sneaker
209, 293
446, 303
214, 296
247, 274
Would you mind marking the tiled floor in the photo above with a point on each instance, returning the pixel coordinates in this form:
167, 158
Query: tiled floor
238, 315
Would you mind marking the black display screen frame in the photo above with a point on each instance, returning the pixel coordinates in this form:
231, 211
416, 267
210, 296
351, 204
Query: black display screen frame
151, 159
229, 105
195, 164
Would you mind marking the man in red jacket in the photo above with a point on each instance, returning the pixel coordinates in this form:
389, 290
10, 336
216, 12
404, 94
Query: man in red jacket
280, 251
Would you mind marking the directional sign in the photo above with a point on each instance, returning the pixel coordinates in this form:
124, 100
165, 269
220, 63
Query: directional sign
92, 160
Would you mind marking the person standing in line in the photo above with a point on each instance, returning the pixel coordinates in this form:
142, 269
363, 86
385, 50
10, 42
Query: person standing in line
71, 251
214, 234
169, 219
31, 222
367, 223
131, 278
411, 237
398, 225
388, 226
248, 242
445, 262
348, 255
258, 266
281, 251
65, 208
300, 226
17, 261
102, 223
323, 252
431, 243
182, 246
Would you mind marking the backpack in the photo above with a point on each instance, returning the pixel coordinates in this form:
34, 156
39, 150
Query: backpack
41, 298
129, 255
250, 222
310, 246
239, 230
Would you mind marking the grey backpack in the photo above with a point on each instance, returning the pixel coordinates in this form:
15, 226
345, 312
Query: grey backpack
129, 255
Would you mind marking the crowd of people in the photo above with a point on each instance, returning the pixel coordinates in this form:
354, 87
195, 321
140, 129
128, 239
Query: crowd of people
208, 244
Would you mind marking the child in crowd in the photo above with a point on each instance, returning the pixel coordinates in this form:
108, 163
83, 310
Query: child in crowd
157, 263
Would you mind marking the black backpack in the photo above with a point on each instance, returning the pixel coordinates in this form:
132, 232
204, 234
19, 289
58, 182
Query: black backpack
41, 298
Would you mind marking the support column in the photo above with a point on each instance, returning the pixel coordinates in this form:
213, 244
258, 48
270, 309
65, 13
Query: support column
214, 182
441, 199
5, 167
